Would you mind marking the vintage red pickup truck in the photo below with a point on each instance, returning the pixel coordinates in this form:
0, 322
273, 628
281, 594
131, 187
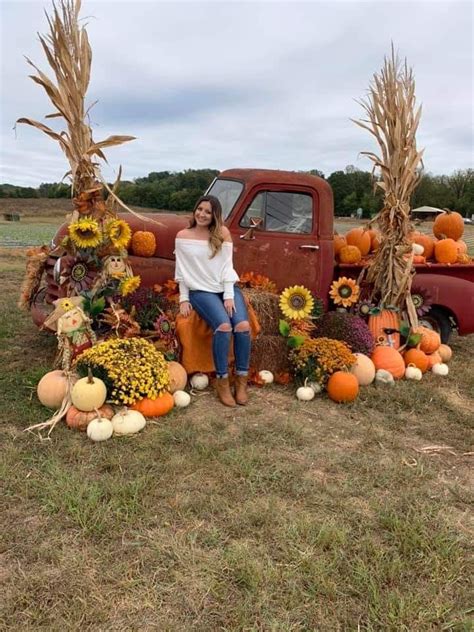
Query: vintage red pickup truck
282, 226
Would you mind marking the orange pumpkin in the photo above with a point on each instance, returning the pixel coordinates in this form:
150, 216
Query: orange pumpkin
424, 240
446, 251
339, 242
433, 358
342, 387
449, 224
350, 254
418, 358
154, 407
79, 419
178, 376
359, 237
387, 319
419, 259
143, 243
430, 340
445, 352
390, 360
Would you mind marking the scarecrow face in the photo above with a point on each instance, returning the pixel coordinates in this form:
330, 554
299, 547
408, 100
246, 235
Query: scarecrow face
70, 321
115, 265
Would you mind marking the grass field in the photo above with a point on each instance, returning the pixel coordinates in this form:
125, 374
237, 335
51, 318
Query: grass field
281, 516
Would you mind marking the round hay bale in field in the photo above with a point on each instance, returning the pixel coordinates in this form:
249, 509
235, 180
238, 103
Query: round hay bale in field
271, 353
267, 309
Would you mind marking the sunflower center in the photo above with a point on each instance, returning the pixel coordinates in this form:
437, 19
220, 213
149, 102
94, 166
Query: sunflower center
87, 233
78, 272
345, 291
297, 301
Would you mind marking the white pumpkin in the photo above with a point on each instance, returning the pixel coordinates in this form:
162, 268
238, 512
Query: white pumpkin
305, 393
440, 369
316, 386
418, 249
128, 422
88, 393
384, 377
181, 399
199, 381
266, 376
363, 369
412, 372
100, 429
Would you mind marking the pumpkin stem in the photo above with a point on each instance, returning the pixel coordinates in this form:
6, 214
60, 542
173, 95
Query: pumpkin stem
90, 377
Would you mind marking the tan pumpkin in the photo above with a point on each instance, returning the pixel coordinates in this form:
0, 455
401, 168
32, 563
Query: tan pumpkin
446, 251
350, 254
178, 376
430, 340
390, 360
418, 358
461, 246
359, 237
363, 369
463, 258
52, 388
449, 224
143, 243
445, 352
154, 407
342, 387
433, 358
387, 319
339, 242
424, 240
79, 419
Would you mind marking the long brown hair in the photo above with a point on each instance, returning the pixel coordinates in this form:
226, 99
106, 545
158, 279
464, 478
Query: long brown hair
215, 233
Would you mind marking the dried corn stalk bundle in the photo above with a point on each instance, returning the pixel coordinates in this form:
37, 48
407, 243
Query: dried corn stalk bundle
393, 120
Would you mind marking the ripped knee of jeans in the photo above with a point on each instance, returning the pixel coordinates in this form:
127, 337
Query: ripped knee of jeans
224, 328
242, 328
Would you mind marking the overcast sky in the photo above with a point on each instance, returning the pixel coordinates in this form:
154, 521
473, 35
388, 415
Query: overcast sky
241, 84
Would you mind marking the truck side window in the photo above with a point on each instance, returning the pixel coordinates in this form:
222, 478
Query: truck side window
281, 211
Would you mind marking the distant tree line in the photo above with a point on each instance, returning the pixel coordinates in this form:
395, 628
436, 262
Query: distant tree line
352, 188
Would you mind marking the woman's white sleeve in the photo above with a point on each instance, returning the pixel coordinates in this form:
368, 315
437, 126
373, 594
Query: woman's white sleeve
229, 275
178, 276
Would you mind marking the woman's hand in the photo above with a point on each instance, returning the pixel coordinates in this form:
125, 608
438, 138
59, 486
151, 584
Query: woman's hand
229, 306
185, 308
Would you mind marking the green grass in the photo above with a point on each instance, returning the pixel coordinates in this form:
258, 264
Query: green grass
281, 516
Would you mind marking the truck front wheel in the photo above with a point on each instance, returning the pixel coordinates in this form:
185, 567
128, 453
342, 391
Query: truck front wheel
438, 320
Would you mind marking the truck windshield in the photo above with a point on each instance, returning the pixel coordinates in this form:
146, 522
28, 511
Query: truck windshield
227, 192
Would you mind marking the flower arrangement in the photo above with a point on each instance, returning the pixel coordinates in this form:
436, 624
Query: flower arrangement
344, 292
145, 304
296, 302
258, 281
318, 358
131, 368
351, 329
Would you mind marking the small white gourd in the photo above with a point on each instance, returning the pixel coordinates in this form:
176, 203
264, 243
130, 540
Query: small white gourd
199, 381
88, 393
384, 377
100, 429
412, 372
128, 422
418, 249
181, 399
305, 393
266, 376
316, 386
440, 369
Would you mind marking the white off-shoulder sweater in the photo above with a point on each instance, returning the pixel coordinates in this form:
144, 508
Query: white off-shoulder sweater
196, 270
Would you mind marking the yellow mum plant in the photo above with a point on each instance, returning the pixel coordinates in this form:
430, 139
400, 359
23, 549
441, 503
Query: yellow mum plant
318, 358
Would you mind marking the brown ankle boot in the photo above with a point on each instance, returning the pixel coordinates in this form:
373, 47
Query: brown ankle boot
224, 392
241, 395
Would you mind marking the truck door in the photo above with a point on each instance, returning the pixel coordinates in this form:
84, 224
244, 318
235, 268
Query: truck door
284, 245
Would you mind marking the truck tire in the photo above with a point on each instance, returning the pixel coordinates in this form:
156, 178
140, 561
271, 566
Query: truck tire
438, 320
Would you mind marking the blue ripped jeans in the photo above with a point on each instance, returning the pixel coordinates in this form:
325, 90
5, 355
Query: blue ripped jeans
210, 307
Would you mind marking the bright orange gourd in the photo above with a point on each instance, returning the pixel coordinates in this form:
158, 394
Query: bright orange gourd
359, 237
339, 242
154, 407
418, 358
424, 240
446, 251
419, 259
350, 254
430, 340
390, 360
342, 387
143, 243
79, 419
433, 358
449, 224
387, 319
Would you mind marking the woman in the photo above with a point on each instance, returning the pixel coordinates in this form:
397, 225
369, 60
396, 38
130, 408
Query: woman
206, 277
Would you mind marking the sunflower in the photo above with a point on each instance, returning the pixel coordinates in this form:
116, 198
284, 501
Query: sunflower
77, 274
344, 292
296, 302
119, 233
422, 300
127, 286
85, 233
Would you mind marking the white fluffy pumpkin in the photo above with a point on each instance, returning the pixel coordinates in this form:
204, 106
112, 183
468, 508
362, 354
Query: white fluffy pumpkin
128, 422
305, 393
440, 369
100, 429
181, 399
412, 372
266, 376
418, 249
199, 381
384, 377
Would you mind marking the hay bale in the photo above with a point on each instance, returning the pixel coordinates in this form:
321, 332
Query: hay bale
271, 353
267, 309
